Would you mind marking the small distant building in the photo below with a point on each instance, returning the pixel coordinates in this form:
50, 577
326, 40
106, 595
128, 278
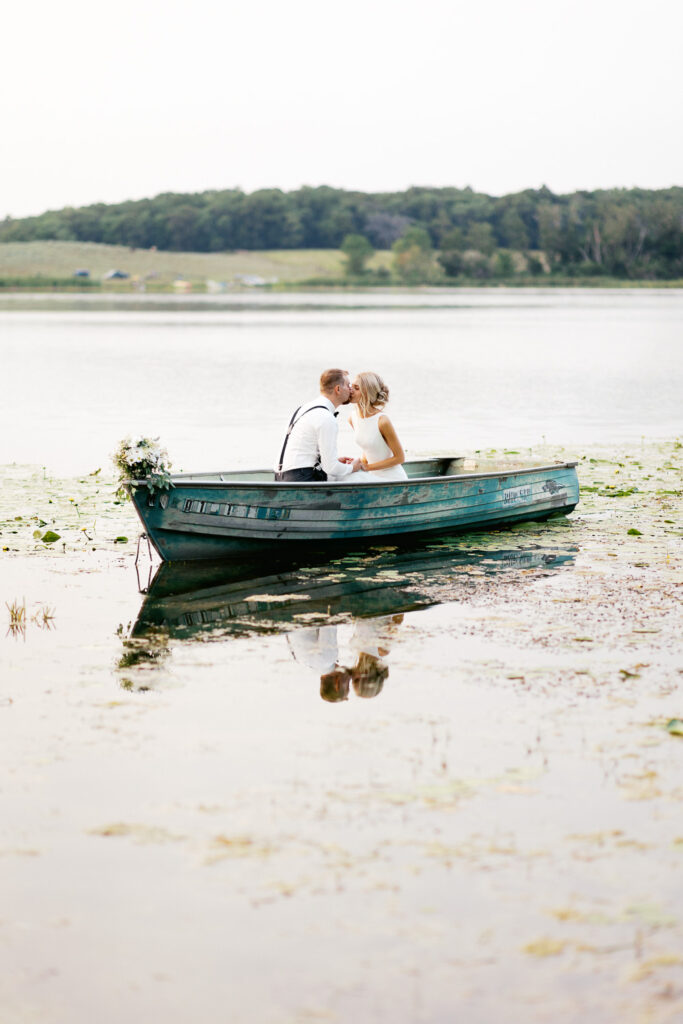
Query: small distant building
115, 275
81, 273
181, 285
250, 280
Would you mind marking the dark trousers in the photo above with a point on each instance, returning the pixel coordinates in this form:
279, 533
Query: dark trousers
303, 475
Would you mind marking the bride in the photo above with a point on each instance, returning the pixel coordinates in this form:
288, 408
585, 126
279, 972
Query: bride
374, 432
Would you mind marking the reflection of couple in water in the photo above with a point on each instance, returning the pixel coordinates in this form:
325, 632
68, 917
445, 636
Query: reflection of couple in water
309, 451
367, 676
371, 641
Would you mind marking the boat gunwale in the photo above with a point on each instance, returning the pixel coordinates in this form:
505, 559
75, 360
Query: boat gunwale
190, 479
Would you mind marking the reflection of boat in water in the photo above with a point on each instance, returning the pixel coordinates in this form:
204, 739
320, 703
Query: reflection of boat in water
221, 599
230, 515
360, 596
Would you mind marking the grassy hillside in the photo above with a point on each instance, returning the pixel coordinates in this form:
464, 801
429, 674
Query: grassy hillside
50, 265
59, 260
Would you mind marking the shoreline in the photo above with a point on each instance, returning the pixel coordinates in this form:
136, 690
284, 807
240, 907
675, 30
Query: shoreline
198, 288
51, 265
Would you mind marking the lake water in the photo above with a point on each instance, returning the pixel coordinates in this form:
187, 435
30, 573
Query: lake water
218, 377
401, 785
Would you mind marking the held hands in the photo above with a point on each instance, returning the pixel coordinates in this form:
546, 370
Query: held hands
356, 464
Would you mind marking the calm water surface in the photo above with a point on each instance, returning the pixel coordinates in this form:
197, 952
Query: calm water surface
480, 819
218, 377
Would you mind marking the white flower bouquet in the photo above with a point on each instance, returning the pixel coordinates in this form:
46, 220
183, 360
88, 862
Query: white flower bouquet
142, 458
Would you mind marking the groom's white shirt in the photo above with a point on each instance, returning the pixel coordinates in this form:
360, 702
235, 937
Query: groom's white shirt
314, 433
315, 646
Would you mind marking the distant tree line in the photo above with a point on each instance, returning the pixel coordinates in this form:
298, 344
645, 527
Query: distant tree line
627, 233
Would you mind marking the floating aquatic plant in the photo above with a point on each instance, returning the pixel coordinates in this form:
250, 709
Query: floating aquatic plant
17, 616
43, 617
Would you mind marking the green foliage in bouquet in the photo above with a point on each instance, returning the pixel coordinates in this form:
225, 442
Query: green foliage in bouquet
142, 458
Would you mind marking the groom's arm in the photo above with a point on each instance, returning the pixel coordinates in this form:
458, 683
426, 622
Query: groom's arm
327, 445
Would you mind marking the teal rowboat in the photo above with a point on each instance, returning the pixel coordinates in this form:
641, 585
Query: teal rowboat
233, 514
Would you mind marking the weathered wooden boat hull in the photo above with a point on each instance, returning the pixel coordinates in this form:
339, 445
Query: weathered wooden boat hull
228, 515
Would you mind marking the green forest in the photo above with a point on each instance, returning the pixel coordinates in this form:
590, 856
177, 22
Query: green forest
434, 232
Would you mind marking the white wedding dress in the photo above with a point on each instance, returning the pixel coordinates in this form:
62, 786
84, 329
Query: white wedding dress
367, 435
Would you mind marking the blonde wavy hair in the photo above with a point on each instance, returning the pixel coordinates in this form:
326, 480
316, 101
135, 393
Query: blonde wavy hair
374, 394
368, 675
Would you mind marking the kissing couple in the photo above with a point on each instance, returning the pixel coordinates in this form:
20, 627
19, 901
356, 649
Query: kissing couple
309, 452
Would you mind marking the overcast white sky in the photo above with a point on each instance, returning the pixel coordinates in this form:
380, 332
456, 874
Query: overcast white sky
129, 98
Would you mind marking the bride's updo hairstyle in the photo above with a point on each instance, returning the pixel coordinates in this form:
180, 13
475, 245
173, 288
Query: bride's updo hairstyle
373, 393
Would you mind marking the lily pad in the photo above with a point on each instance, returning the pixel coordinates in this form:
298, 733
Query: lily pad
120, 540
633, 532
544, 947
49, 537
675, 726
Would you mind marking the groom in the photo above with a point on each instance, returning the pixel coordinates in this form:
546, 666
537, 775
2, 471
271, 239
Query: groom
309, 452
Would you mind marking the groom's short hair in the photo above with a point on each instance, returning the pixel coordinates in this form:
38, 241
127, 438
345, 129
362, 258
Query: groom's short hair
330, 378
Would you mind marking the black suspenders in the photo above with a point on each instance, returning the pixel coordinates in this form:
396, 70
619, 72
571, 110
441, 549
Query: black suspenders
290, 428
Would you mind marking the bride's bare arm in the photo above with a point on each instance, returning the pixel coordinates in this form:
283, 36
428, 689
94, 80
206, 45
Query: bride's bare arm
398, 456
